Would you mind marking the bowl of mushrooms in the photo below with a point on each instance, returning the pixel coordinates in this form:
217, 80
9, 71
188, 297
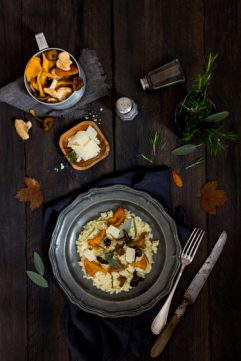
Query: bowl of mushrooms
53, 77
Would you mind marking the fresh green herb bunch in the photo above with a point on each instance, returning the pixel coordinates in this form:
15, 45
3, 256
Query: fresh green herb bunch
196, 114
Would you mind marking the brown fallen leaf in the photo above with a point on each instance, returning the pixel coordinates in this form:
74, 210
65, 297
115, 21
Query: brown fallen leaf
31, 193
211, 198
177, 179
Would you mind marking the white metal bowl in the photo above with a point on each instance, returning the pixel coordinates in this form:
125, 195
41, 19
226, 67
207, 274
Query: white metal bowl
75, 96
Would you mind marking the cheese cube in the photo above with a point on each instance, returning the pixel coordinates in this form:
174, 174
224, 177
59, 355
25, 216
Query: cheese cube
130, 254
89, 255
113, 231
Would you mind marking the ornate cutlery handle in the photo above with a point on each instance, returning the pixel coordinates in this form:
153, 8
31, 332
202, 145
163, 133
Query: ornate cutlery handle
161, 318
167, 332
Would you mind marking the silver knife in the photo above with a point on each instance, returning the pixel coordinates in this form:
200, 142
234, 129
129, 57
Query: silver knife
189, 296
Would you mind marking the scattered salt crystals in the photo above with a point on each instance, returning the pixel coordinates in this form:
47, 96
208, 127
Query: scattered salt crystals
94, 115
60, 167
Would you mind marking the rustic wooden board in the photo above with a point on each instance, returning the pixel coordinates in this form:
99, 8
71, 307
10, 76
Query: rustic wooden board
130, 38
13, 297
146, 35
225, 294
63, 25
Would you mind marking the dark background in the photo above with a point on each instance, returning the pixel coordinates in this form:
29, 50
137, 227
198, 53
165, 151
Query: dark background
131, 38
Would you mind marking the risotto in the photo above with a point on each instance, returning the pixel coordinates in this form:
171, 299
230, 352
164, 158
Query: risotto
116, 250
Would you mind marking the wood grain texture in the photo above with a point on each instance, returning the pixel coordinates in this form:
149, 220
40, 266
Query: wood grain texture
130, 38
63, 25
148, 34
225, 294
13, 330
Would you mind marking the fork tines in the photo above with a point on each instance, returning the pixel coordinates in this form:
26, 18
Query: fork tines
193, 243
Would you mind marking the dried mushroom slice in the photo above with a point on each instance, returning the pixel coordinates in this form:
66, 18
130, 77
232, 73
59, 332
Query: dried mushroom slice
64, 61
52, 54
77, 83
22, 128
33, 68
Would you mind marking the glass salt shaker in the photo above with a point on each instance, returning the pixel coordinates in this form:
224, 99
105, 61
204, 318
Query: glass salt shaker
163, 76
126, 108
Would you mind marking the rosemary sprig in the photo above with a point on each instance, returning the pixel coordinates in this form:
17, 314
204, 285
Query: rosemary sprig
147, 157
153, 140
196, 111
196, 162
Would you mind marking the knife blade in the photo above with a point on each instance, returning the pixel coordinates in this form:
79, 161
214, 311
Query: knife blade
189, 296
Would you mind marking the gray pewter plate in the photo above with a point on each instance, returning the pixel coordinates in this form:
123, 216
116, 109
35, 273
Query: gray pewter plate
64, 258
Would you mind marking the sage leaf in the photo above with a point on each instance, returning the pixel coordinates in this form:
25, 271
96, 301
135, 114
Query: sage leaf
114, 263
109, 258
37, 279
217, 117
184, 149
38, 263
125, 227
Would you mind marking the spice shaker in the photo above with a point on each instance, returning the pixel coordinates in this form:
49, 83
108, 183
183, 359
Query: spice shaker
126, 108
163, 76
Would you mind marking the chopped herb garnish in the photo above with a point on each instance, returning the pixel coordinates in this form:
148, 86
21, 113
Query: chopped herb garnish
134, 225
72, 156
92, 230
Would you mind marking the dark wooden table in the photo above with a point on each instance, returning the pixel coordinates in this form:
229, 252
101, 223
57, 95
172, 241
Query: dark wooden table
131, 38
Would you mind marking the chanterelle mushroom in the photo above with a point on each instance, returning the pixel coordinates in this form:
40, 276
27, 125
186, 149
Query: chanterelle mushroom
57, 77
64, 93
60, 94
64, 61
22, 128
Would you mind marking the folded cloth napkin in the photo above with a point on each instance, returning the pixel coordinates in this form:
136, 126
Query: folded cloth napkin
90, 337
16, 95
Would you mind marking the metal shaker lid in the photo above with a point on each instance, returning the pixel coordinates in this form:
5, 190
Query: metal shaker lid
124, 105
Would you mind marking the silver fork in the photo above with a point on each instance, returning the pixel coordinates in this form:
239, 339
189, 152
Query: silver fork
187, 256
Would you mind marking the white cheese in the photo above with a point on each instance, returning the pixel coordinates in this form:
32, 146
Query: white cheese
113, 231
80, 138
92, 133
130, 254
89, 255
90, 150
85, 144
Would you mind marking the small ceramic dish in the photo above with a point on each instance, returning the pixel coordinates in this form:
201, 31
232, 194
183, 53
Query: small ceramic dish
104, 145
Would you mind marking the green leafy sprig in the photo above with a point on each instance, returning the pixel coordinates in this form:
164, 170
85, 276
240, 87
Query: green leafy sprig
37, 277
196, 113
196, 162
72, 156
153, 140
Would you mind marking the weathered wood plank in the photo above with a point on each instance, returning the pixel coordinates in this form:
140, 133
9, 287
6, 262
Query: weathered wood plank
13, 330
146, 35
225, 294
67, 25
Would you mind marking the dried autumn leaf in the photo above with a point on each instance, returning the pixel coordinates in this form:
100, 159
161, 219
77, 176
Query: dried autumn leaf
211, 198
31, 193
177, 179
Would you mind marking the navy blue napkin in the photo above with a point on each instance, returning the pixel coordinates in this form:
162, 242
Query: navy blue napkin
90, 337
